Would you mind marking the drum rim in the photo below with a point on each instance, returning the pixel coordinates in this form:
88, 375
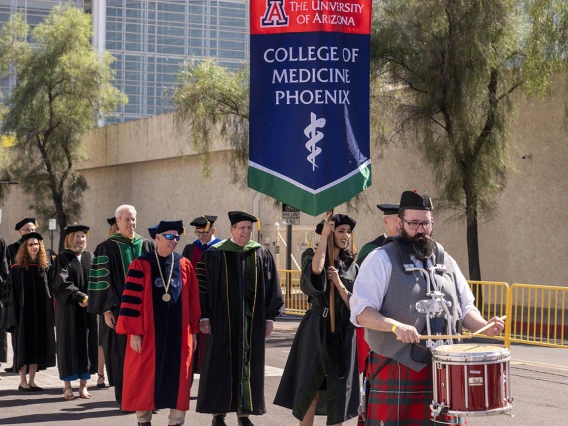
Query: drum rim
473, 355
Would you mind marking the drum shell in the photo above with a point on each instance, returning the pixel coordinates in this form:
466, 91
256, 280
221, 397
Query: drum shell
472, 379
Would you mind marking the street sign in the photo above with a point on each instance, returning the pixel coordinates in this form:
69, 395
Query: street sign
290, 215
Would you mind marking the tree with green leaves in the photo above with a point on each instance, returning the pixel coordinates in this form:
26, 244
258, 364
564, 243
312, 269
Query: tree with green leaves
63, 88
212, 101
454, 66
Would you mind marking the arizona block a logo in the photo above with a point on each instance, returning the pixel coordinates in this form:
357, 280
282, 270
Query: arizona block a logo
275, 15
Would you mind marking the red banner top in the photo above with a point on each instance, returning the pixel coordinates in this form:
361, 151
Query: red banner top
297, 16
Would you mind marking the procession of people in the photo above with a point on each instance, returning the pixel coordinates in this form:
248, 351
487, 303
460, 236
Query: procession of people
160, 317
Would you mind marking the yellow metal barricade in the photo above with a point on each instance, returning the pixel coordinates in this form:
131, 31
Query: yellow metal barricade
491, 298
295, 301
538, 315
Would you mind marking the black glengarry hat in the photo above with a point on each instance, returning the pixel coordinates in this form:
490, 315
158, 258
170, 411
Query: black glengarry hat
35, 235
166, 225
339, 219
76, 228
22, 222
388, 209
412, 200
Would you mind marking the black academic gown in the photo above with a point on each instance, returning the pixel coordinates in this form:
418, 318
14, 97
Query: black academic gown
30, 316
369, 247
111, 261
77, 340
308, 367
239, 291
3, 283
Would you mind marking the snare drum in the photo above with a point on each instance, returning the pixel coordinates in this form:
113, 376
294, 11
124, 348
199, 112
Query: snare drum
471, 380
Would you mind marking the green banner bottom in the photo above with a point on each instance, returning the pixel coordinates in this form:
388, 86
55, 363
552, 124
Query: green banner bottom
312, 202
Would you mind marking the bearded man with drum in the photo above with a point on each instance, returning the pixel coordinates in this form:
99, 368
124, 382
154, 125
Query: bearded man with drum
390, 283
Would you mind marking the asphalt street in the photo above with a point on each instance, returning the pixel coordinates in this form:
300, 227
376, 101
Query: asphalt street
539, 379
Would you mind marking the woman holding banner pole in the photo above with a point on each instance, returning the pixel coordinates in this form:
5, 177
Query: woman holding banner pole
321, 376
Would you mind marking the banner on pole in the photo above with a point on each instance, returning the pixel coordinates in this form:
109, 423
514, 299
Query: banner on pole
309, 101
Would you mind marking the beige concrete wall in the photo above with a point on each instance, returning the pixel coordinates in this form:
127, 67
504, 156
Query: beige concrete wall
147, 164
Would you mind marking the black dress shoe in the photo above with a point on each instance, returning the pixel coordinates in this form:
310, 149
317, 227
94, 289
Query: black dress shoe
23, 389
10, 369
245, 421
144, 424
218, 421
36, 388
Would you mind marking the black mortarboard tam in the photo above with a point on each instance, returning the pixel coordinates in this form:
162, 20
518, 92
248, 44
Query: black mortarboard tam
412, 200
111, 221
22, 222
166, 225
76, 228
239, 216
35, 235
388, 209
339, 219
204, 221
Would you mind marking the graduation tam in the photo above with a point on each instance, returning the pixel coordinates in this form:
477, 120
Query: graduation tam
339, 219
35, 235
166, 225
204, 221
236, 217
76, 228
412, 200
111, 221
388, 209
22, 222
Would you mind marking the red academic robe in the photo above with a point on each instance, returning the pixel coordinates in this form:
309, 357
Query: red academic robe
159, 376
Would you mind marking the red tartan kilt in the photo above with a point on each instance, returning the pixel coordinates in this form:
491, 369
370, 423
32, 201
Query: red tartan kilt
400, 396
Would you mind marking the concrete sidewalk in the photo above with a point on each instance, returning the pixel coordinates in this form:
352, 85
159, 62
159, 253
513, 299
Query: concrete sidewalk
539, 379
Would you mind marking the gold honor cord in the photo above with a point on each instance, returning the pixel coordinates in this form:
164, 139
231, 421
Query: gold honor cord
166, 297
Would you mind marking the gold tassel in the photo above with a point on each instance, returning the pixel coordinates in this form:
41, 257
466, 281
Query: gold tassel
183, 231
257, 224
208, 224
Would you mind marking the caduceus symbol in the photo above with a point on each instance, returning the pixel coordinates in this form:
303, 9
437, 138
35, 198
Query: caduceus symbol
315, 136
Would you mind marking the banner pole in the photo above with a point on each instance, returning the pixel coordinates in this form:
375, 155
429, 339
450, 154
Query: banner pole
330, 256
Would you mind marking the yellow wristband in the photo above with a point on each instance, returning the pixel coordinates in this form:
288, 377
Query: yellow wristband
393, 329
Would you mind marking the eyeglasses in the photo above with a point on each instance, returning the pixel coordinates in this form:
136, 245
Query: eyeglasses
171, 237
414, 225
202, 233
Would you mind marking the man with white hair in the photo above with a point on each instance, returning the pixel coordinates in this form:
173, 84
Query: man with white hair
111, 261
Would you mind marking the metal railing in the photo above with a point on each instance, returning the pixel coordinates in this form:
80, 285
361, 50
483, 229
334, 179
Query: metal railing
295, 300
491, 298
536, 314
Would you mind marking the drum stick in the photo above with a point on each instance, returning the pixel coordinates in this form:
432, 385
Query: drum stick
443, 336
491, 324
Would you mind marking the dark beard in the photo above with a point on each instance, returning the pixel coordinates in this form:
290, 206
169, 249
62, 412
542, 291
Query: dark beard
421, 249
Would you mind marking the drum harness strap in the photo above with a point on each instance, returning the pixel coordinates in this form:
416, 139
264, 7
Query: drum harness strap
367, 387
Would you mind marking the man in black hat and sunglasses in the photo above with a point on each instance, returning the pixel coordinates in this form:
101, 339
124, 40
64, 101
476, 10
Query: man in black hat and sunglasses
160, 314
390, 283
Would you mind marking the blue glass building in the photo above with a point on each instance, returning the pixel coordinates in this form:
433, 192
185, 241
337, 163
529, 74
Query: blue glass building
150, 39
